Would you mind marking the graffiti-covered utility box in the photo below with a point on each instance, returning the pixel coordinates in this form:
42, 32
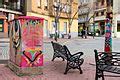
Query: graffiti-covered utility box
26, 45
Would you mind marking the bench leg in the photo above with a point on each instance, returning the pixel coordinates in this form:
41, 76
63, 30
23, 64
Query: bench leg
80, 70
103, 76
63, 59
99, 76
54, 56
67, 68
96, 76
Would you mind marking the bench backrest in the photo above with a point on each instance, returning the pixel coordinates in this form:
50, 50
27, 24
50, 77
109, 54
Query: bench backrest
60, 50
67, 52
109, 58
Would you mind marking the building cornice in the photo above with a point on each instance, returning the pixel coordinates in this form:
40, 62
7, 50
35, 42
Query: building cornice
39, 13
10, 11
100, 9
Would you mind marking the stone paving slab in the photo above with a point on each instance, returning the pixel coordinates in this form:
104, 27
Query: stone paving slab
54, 71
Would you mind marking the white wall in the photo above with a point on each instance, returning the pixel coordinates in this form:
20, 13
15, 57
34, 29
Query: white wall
116, 17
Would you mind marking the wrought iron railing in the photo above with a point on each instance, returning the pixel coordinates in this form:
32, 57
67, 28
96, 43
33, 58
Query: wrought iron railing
12, 7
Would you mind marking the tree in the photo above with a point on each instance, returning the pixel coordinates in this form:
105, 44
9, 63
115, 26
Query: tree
58, 7
70, 17
57, 12
68, 10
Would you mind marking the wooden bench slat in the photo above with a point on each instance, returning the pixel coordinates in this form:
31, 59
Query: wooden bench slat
108, 68
111, 69
117, 70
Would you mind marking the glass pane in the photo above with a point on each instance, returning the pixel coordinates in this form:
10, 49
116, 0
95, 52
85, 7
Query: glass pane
65, 27
1, 25
1, 29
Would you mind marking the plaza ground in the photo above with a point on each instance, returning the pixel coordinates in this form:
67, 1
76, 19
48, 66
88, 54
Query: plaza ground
54, 70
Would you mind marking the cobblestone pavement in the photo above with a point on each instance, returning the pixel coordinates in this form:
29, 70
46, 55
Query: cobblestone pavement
54, 70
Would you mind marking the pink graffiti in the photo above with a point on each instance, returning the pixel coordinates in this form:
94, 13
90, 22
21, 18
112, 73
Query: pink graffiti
30, 60
32, 36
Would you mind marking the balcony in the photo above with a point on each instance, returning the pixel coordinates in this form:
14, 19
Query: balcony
59, 8
97, 6
13, 5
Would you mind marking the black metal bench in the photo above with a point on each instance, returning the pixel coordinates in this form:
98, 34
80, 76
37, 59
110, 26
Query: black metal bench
108, 62
73, 61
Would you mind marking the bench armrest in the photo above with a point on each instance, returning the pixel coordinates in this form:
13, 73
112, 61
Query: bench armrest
76, 56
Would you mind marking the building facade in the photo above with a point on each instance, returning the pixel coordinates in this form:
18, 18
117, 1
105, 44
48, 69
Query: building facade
84, 15
100, 7
45, 9
116, 19
9, 9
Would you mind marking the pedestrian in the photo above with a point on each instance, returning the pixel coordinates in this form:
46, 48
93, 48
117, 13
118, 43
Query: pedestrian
85, 33
82, 33
98, 32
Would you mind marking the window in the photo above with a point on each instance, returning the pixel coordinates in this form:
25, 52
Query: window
102, 2
69, 1
18, 4
46, 5
56, 0
5, 0
15, 5
118, 27
84, 1
39, 3
67, 9
45, 28
96, 13
87, 1
102, 13
54, 27
1, 1
1, 26
65, 28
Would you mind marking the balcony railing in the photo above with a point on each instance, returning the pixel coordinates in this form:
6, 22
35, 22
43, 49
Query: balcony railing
97, 5
12, 7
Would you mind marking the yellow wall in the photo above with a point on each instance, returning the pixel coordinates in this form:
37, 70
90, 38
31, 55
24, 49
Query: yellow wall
74, 27
38, 15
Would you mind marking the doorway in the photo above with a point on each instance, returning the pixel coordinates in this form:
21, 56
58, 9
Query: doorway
102, 28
